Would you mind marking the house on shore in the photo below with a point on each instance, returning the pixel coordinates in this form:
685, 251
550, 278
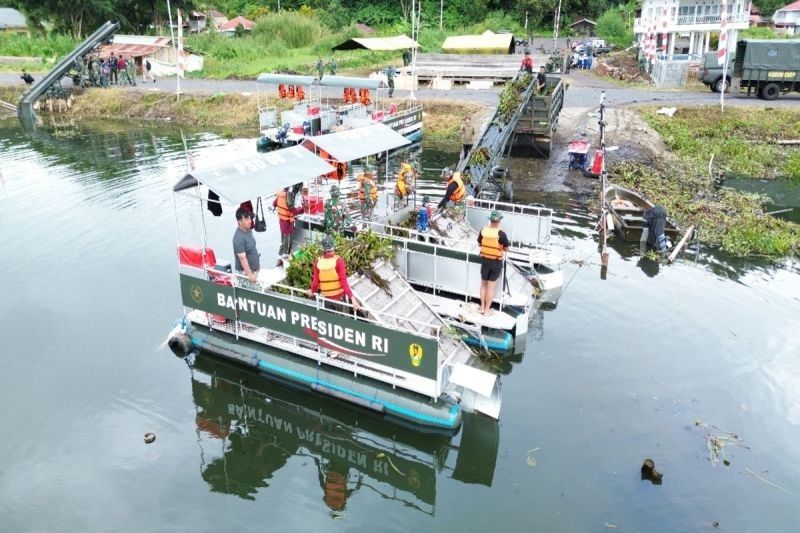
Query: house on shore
686, 26
787, 18
583, 28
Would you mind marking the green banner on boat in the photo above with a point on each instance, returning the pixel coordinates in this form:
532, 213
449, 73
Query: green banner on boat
340, 333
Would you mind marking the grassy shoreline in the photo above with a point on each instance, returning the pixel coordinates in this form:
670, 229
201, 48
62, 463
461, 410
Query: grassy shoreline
226, 114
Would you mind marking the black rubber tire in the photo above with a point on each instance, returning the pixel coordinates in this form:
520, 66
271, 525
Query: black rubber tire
718, 85
713, 87
770, 91
181, 345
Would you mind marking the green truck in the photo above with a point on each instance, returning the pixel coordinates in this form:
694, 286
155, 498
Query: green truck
767, 68
710, 73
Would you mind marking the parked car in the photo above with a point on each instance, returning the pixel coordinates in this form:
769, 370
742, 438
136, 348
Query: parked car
600, 50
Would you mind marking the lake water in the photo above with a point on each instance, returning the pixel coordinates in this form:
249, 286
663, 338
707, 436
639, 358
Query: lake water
619, 370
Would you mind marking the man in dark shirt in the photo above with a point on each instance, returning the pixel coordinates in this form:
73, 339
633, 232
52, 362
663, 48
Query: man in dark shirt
27, 78
653, 221
541, 81
494, 243
247, 258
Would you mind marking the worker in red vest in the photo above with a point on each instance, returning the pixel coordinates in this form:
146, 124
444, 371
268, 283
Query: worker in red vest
527, 62
284, 207
330, 277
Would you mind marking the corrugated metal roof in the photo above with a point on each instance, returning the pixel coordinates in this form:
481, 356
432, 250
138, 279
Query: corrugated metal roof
233, 23
11, 18
153, 40
488, 41
350, 145
251, 175
400, 42
135, 50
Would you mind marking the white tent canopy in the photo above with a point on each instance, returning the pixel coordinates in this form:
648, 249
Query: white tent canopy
252, 175
400, 42
354, 144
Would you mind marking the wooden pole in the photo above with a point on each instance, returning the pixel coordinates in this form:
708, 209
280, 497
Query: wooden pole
681, 244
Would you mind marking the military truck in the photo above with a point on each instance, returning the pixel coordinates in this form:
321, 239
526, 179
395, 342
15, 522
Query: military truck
767, 68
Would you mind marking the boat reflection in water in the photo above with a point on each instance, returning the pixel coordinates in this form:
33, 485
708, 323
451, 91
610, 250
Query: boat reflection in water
249, 427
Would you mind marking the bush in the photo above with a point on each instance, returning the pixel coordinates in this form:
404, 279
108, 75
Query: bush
612, 28
293, 28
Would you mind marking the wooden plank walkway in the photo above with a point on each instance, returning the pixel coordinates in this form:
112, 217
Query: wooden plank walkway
497, 68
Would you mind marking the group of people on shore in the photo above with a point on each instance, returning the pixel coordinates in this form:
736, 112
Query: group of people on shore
99, 72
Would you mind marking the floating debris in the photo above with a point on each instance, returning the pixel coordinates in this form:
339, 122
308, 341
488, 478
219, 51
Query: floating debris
531, 460
716, 443
149, 438
765, 480
650, 473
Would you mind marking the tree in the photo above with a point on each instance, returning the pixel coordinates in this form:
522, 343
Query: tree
611, 27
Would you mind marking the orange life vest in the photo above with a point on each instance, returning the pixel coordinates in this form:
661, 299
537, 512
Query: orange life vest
299, 93
401, 187
290, 91
373, 189
341, 170
490, 243
460, 191
284, 211
282, 90
363, 96
329, 284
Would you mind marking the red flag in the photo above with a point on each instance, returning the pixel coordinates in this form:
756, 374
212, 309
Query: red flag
722, 49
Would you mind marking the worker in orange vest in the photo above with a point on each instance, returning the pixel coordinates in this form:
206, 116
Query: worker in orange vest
330, 277
494, 242
455, 192
284, 207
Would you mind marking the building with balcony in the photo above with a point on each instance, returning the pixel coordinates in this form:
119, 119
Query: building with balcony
686, 26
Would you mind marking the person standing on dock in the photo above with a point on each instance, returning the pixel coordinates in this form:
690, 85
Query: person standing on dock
390, 80
527, 62
467, 131
284, 206
455, 192
330, 277
246, 256
320, 67
493, 242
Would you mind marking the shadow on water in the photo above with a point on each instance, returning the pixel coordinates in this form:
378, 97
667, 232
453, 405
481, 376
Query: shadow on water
249, 427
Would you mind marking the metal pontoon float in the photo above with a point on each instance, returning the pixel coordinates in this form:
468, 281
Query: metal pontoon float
411, 369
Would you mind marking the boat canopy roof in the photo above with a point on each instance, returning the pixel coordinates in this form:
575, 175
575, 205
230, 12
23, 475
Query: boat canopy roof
349, 81
288, 79
254, 175
356, 143
399, 42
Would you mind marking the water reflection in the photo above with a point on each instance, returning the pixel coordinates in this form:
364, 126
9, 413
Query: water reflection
249, 427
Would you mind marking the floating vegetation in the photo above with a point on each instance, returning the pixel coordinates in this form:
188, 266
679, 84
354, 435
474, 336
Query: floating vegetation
733, 220
358, 253
716, 443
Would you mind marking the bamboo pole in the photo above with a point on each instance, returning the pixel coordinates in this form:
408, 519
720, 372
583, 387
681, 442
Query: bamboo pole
681, 244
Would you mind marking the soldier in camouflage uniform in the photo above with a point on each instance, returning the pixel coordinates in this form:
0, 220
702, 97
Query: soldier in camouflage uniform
96, 66
79, 66
130, 70
336, 218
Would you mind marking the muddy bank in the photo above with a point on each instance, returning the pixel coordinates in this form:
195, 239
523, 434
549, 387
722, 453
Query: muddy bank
628, 138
